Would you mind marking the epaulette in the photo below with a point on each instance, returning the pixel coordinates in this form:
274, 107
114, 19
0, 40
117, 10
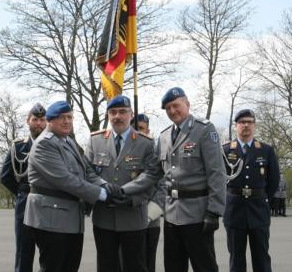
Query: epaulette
18, 140
233, 145
203, 121
97, 132
226, 143
145, 135
102, 131
165, 129
257, 144
49, 135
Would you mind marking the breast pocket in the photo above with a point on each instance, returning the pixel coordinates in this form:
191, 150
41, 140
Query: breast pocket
188, 160
100, 161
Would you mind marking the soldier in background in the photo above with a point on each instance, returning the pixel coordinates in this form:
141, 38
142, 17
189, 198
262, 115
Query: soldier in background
14, 178
254, 176
190, 153
155, 207
280, 199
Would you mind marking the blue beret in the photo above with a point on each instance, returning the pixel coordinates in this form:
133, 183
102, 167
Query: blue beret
244, 113
119, 101
171, 95
56, 109
141, 117
38, 110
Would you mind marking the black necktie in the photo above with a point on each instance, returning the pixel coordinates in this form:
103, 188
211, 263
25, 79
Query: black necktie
118, 144
175, 133
245, 148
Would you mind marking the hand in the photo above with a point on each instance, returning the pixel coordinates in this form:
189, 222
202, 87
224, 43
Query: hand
87, 209
113, 202
113, 190
211, 222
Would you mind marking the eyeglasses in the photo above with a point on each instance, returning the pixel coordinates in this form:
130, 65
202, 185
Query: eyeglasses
114, 112
245, 122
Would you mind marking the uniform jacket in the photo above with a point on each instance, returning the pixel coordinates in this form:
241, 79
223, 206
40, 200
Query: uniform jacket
55, 165
17, 185
22, 148
193, 163
136, 170
260, 171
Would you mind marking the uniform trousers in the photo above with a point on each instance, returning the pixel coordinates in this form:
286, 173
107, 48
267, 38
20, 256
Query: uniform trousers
259, 247
187, 242
131, 244
25, 244
59, 252
151, 247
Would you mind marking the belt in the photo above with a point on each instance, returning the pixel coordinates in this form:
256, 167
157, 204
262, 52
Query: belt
176, 193
53, 193
23, 187
247, 192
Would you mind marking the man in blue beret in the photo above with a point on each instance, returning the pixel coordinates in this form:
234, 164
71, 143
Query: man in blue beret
123, 156
60, 180
14, 178
253, 178
190, 153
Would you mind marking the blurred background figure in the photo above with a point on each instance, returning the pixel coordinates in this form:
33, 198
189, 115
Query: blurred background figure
279, 199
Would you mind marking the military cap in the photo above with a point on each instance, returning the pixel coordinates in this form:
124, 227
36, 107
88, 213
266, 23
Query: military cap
56, 109
119, 101
141, 117
171, 95
244, 113
37, 110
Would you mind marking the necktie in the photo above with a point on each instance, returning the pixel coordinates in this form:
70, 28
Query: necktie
118, 144
175, 133
245, 148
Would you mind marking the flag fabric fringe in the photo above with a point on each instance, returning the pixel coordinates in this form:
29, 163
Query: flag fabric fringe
118, 43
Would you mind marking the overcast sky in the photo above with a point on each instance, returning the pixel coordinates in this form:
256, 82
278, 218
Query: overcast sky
266, 14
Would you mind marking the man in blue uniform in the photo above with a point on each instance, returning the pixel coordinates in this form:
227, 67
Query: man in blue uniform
14, 178
253, 179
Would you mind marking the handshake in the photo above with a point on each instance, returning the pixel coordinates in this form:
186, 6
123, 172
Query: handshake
116, 196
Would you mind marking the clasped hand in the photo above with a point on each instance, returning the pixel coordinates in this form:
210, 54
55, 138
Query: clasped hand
116, 196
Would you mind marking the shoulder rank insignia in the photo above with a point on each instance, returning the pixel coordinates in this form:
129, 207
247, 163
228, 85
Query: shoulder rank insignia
233, 145
166, 129
18, 140
102, 131
203, 121
257, 144
49, 135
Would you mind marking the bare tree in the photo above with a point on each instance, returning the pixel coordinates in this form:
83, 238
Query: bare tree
209, 25
55, 43
274, 62
11, 124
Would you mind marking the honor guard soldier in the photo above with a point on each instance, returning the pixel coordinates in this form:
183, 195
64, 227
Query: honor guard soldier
124, 157
190, 153
14, 177
253, 172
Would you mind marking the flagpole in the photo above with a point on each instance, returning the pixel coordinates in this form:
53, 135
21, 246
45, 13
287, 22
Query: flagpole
135, 91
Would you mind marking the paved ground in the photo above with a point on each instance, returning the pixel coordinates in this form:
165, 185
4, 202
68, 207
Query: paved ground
280, 246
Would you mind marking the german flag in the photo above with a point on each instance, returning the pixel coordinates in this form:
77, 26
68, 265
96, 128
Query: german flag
118, 43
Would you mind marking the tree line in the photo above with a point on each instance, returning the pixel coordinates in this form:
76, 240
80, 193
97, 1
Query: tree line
52, 47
